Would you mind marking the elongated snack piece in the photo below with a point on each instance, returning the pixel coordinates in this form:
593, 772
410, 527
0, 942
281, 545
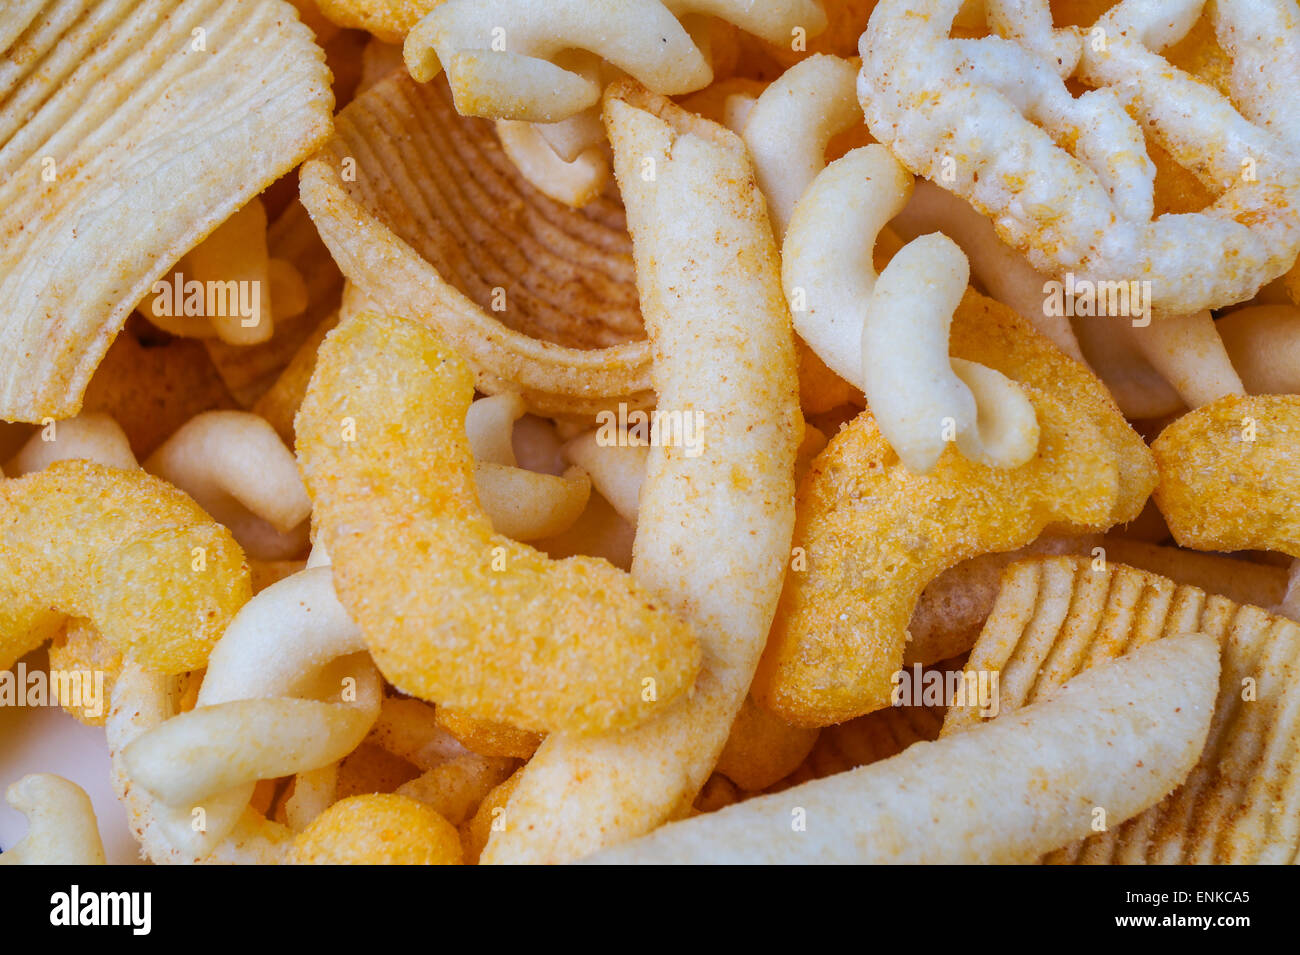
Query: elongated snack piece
1119, 738
473, 619
708, 275
644, 38
287, 689
154, 574
1229, 475
1264, 344
62, 829
841, 628
104, 108
89, 436
1059, 617
549, 310
238, 470
1090, 211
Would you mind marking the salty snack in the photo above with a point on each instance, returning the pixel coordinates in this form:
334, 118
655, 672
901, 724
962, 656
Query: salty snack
1229, 476
1119, 738
1089, 211
710, 289
501, 56
98, 122
456, 613
61, 823
378, 829
1060, 617
841, 628
156, 576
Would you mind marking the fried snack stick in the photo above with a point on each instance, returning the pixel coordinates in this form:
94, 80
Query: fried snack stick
710, 291
1090, 210
89, 436
1058, 617
132, 554
1120, 738
1229, 475
644, 38
62, 829
471, 619
1264, 344
287, 689
109, 113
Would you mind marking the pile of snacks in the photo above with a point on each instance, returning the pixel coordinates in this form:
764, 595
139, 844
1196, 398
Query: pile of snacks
456, 431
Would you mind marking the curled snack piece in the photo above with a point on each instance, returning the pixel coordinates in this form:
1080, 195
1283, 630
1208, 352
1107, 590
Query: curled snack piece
61, 823
1089, 211
714, 526
474, 620
239, 471
518, 78
157, 577
378, 829
575, 182
107, 114
889, 335
1264, 344
1229, 478
1056, 618
1120, 737
287, 689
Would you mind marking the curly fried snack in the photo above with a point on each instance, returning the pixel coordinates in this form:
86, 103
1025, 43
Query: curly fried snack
239, 471
152, 572
1089, 211
890, 334
390, 20
379, 829
474, 620
840, 629
548, 310
454, 789
1121, 737
486, 738
707, 269
617, 467
62, 826
1229, 475
574, 182
79, 647
106, 111
287, 690
498, 54
1058, 617
761, 749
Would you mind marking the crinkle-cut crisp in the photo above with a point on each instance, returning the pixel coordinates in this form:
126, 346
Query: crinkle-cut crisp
378, 829
538, 298
112, 114
1058, 617
156, 576
1090, 210
452, 612
1120, 737
1230, 475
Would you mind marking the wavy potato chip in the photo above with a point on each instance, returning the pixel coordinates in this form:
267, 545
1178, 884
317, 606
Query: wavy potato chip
1230, 475
107, 114
455, 613
1060, 617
